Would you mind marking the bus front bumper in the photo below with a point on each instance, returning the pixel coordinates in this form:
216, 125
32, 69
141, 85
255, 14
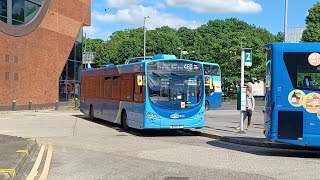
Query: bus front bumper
166, 123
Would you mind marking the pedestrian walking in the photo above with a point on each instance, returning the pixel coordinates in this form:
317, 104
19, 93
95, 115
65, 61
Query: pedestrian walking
250, 108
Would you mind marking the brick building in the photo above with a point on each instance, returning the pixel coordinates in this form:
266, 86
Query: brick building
40, 50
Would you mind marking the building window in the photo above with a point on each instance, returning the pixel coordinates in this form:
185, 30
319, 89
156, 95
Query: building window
19, 12
6, 75
69, 83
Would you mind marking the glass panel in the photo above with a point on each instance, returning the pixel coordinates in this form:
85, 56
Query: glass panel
71, 56
172, 83
62, 90
70, 70
211, 70
79, 38
18, 12
64, 73
78, 70
3, 19
302, 74
30, 11
3, 9
38, 2
78, 51
77, 90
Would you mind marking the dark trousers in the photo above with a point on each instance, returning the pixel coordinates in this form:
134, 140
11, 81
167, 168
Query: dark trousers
248, 114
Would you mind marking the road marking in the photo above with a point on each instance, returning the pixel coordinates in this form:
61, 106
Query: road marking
11, 172
23, 151
34, 171
46, 167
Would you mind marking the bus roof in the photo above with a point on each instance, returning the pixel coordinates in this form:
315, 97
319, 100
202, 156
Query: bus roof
164, 56
294, 47
208, 63
148, 58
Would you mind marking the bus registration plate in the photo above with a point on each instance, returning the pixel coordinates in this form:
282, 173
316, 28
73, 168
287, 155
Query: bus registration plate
176, 127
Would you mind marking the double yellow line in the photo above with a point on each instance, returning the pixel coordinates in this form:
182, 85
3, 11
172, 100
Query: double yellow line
34, 171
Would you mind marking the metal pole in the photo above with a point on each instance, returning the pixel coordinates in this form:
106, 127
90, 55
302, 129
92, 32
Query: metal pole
144, 37
285, 20
242, 85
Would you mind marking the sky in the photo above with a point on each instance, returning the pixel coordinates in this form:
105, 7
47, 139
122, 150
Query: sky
108, 16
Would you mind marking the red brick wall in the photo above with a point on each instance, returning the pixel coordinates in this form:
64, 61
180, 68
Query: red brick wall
37, 59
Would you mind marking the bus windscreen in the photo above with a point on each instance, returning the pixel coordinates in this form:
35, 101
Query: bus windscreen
172, 83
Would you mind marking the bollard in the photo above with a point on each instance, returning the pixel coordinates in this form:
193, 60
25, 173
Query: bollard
76, 102
57, 106
14, 105
30, 104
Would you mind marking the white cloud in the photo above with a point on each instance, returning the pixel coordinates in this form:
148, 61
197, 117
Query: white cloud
92, 32
135, 13
218, 6
121, 3
160, 5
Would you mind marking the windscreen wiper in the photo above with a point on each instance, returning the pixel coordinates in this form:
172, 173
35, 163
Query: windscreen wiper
177, 75
156, 74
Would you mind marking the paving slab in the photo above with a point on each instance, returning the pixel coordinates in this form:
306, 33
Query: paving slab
13, 153
221, 124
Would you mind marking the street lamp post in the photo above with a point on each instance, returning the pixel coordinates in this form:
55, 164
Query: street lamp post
241, 41
180, 52
285, 19
144, 37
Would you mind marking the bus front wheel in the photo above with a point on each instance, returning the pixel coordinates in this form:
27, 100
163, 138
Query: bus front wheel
207, 106
124, 123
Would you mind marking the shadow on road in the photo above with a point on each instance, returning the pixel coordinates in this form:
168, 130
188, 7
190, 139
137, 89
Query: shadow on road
263, 151
142, 133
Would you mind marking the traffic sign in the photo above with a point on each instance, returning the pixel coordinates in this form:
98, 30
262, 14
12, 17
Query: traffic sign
246, 56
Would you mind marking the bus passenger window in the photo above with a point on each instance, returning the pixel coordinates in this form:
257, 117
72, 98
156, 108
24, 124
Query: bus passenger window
116, 87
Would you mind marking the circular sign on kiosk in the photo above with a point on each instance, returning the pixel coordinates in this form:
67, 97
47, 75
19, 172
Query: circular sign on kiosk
314, 59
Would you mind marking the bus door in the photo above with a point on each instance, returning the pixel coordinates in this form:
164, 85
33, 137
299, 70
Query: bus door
269, 105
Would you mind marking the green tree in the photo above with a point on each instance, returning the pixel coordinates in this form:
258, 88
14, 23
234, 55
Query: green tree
312, 33
279, 37
218, 41
90, 45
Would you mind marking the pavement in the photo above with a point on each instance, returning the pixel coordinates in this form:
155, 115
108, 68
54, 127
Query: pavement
220, 124
13, 153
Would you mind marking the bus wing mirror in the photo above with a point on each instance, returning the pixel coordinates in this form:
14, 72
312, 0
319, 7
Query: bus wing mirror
139, 80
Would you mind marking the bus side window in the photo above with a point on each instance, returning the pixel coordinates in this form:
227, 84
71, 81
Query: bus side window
91, 90
116, 87
107, 87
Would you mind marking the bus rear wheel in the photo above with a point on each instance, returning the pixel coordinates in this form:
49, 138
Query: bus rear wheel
207, 106
124, 123
91, 113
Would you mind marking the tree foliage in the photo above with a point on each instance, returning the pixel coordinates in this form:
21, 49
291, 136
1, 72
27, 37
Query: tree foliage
218, 41
90, 45
312, 33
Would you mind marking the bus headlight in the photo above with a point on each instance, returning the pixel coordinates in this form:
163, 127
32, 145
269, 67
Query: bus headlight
152, 115
199, 114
